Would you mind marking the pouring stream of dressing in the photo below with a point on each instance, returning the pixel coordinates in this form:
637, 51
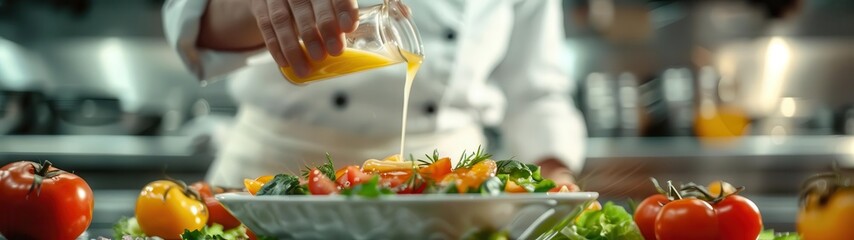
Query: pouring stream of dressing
413, 62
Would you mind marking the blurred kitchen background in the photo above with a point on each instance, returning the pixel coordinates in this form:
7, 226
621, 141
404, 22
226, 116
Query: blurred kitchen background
754, 92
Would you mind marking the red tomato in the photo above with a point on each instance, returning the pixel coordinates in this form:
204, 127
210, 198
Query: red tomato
217, 213
351, 176
343, 171
402, 182
646, 212
436, 171
738, 218
319, 184
42, 202
686, 219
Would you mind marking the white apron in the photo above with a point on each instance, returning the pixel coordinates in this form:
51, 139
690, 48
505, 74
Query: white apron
260, 144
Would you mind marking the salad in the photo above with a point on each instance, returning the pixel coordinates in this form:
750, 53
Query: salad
475, 172
171, 209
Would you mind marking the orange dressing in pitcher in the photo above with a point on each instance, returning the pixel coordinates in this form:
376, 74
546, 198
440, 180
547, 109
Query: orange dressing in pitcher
350, 61
353, 60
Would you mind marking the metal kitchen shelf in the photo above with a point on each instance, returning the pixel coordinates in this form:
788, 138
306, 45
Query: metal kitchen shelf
179, 151
107, 152
737, 147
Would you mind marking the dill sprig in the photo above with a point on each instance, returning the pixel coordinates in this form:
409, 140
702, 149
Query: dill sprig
415, 180
430, 159
327, 169
467, 161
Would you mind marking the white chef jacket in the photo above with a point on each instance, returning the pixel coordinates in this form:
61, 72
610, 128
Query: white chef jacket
487, 63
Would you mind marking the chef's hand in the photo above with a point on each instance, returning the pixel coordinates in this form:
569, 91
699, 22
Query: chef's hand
320, 24
554, 169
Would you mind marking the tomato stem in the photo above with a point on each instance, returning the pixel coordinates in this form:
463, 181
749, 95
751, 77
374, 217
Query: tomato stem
43, 168
673, 190
657, 186
40, 172
186, 190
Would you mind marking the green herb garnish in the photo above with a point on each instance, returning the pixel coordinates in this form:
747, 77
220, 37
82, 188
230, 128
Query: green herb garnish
327, 169
467, 161
430, 159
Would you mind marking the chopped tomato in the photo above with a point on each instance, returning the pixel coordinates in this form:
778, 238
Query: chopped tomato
217, 213
438, 170
471, 178
351, 176
402, 182
512, 187
565, 188
342, 171
253, 185
319, 184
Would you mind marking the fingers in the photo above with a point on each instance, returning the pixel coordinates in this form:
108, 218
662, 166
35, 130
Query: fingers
320, 24
305, 21
259, 8
347, 12
284, 26
328, 26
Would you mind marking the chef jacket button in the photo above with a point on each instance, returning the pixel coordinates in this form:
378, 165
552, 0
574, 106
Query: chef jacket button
450, 34
430, 108
339, 100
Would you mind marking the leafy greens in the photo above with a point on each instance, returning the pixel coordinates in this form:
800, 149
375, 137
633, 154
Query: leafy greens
283, 184
611, 223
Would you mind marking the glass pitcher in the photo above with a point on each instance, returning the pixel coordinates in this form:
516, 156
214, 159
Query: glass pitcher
386, 35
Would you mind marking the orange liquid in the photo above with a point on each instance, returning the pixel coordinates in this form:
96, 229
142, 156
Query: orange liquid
350, 61
413, 62
353, 60
726, 122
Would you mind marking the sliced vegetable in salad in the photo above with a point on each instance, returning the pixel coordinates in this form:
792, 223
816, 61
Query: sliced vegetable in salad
475, 172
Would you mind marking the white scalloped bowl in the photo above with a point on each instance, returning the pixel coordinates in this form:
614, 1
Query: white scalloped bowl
437, 216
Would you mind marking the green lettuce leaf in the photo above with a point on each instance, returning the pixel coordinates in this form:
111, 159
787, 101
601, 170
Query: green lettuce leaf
283, 184
492, 186
215, 232
127, 227
770, 235
544, 186
527, 176
514, 169
613, 222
